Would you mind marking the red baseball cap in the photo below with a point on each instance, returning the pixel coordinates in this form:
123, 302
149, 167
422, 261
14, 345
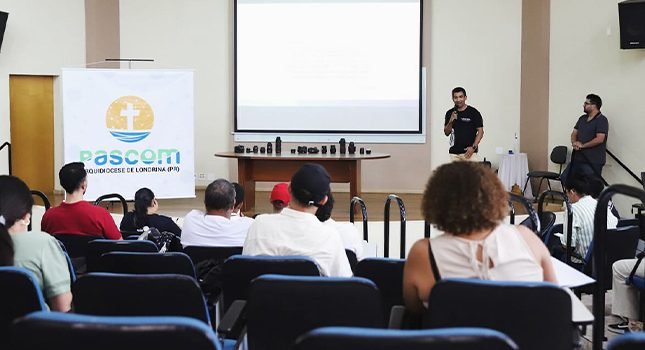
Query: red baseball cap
280, 192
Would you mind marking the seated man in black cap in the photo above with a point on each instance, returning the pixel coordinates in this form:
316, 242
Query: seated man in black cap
297, 231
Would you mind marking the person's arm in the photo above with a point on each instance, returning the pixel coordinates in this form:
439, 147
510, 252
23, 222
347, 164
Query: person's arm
56, 276
599, 139
61, 302
418, 278
471, 150
447, 127
574, 139
540, 252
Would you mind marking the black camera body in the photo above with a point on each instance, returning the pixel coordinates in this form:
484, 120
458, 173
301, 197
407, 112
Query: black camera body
313, 150
302, 149
238, 149
352, 148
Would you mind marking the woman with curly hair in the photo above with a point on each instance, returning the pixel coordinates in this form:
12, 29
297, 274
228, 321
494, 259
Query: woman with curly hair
468, 203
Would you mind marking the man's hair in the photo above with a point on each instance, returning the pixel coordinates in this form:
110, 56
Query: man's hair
71, 176
464, 197
220, 195
324, 211
579, 183
595, 99
458, 89
239, 193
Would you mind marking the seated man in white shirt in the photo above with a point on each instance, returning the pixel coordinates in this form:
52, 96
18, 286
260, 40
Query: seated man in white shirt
583, 208
348, 232
297, 231
215, 227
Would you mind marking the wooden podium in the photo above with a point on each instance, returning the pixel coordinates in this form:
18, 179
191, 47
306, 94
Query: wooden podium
252, 167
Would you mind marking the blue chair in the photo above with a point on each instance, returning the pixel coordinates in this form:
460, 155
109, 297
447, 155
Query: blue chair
281, 308
146, 263
70, 264
388, 339
536, 315
239, 270
98, 247
632, 341
387, 274
110, 294
53, 330
76, 248
201, 253
19, 295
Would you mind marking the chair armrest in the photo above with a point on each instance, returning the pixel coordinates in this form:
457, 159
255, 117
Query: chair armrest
233, 320
397, 315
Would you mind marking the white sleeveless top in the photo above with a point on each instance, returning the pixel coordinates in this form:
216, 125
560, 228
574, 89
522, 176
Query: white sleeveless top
512, 259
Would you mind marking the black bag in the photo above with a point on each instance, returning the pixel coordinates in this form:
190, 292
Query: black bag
209, 276
165, 241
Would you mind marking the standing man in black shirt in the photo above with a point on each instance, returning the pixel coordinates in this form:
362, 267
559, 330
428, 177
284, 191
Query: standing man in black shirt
589, 141
465, 127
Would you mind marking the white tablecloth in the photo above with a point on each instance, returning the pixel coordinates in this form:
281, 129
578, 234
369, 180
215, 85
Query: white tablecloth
512, 171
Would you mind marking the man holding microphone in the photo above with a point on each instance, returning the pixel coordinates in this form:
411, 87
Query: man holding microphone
464, 125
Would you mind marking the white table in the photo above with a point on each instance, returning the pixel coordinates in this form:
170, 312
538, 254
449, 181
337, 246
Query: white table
512, 171
568, 277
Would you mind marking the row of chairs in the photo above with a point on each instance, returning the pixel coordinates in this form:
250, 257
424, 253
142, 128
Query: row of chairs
280, 309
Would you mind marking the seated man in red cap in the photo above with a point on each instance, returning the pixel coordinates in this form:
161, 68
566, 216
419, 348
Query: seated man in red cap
297, 231
280, 197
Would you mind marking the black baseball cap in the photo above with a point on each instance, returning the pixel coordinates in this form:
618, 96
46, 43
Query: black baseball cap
310, 184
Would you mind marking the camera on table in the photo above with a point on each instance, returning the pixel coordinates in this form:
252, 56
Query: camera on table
302, 150
313, 150
238, 149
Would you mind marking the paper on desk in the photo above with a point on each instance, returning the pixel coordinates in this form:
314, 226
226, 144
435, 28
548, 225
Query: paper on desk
568, 276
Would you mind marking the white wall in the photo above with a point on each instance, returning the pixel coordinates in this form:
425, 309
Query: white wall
585, 57
465, 50
41, 38
197, 35
476, 44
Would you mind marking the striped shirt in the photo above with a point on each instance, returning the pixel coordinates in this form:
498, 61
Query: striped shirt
583, 228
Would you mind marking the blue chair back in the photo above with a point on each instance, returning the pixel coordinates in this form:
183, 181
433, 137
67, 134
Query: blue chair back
201, 253
53, 330
98, 247
146, 263
19, 295
631, 341
281, 308
536, 315
110, 294
239, 270
70, 264
390, 339
387, 274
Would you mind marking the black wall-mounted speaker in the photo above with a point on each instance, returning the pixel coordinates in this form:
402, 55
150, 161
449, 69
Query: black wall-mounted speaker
631, 14
3, 25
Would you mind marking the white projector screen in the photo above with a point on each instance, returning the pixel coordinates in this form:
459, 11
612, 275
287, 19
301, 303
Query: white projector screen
328, 66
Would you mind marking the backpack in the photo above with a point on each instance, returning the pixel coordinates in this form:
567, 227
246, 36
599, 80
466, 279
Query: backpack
165, 241
209, 275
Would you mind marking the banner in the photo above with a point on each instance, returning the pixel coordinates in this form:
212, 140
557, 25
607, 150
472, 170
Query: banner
132, 129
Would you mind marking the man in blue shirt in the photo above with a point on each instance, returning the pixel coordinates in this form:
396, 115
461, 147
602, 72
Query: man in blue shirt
589, 141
